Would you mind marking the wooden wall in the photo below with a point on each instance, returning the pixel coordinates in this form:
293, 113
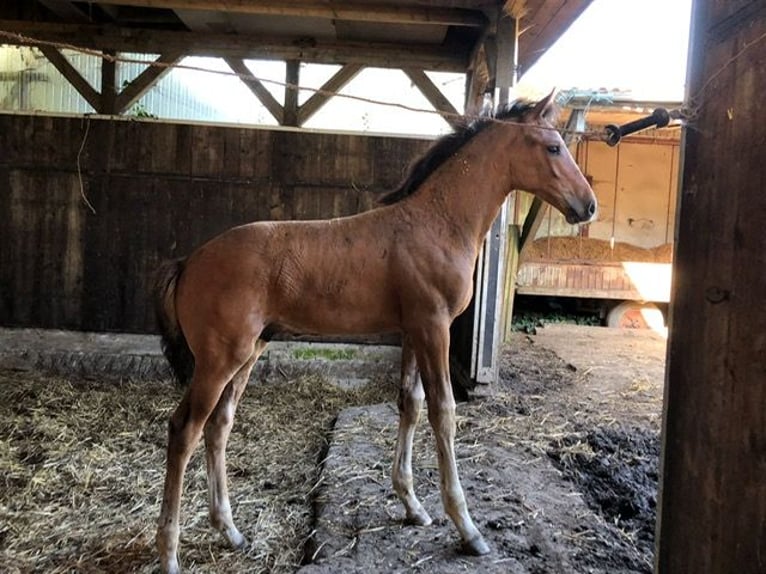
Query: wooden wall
158, 190
713, 492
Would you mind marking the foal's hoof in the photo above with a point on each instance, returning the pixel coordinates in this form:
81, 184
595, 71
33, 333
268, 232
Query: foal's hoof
234, 538
476, 546
420, 518
171, 567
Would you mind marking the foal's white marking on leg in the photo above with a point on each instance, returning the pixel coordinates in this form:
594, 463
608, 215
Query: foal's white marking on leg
410, 403
433, 359
217, 432
185, 432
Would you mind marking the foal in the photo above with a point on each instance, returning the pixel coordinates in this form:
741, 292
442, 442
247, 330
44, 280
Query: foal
404, 267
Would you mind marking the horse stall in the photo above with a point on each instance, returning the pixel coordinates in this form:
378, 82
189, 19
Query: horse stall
559, 464
85, 415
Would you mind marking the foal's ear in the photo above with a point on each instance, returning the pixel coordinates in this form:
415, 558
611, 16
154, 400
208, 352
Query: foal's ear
545, 108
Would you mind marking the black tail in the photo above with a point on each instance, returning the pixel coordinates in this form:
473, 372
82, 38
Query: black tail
174, 344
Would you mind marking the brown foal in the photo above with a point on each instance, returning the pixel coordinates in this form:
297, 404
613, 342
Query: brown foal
405, 267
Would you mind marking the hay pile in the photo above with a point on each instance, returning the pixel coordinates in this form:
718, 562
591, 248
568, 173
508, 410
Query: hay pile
83, 465
590, 249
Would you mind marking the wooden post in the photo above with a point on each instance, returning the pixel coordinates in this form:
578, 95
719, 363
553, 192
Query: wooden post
291, 93
712, 514
490, 297
108, 85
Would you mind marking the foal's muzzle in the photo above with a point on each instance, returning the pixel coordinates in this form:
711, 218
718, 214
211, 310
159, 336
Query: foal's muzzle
586, 214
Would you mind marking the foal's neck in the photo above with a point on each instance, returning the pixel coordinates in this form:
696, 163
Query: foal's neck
467, 191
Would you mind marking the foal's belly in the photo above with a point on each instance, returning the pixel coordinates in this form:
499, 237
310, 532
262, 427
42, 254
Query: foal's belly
345, 312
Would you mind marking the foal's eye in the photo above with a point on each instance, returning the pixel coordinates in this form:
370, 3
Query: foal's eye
554, 149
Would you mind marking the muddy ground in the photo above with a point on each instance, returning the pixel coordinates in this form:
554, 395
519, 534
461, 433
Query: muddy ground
559, 464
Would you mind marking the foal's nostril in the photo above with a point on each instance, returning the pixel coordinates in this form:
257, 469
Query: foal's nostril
592, 208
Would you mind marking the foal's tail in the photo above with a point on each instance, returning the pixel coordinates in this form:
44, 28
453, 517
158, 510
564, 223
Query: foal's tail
174, 344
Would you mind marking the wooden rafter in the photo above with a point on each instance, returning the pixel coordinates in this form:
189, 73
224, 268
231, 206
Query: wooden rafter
246, 46
257, 87
65, 10
360, 12
74, 77
434, 95
320, 98
145, 80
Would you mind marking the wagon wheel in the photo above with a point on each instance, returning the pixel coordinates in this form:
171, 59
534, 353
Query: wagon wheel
635, 315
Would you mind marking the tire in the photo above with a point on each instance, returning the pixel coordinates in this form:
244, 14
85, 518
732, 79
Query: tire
636, 315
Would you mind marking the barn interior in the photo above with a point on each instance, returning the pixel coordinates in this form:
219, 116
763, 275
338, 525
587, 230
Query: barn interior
93, 200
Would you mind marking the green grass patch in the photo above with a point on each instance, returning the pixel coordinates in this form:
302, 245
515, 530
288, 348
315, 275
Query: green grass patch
327, 354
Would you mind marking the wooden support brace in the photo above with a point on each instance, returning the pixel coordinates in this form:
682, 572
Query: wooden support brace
532, 223
320, 98
74, 77
434, 95
145, 80
256, 86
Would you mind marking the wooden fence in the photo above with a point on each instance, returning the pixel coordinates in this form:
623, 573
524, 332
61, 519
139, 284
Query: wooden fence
158, 190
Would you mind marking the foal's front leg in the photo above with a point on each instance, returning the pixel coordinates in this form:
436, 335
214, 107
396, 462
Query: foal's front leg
432, 348
410, 403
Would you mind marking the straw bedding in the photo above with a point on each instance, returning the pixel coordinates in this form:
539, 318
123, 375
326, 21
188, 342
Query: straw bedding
83, 466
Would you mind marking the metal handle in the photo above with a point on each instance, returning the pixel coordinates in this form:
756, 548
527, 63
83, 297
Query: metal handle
660, 118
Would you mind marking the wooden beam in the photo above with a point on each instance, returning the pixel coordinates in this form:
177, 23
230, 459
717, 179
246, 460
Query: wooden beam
65, 10
292, 79
145, 80
507, 57
146, 41
108, 86
256, 86
532, 223
333, 85
360, 12
712, 503
434, 95
72, 76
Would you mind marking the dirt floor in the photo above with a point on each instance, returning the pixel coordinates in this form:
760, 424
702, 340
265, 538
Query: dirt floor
559, 465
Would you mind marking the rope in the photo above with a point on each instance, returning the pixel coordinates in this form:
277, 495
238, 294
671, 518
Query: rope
687, 113
22, 39
79, 171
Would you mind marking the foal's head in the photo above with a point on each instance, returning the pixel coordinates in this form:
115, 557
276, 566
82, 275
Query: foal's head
547, 169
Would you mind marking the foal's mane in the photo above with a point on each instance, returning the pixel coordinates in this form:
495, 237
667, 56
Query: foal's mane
445, 147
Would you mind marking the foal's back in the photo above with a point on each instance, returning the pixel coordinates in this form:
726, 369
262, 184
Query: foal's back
338, 276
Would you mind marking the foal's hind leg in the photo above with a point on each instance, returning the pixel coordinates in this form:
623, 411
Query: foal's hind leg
432, 349
211, 375
410, 403
217, 430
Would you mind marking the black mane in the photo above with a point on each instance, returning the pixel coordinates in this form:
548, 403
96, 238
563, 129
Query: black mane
445, 147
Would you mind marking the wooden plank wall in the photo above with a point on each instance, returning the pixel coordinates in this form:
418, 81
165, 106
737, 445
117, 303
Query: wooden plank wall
713, 490
158, 190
